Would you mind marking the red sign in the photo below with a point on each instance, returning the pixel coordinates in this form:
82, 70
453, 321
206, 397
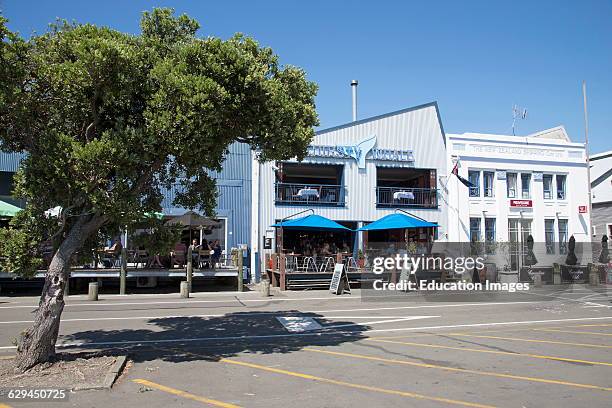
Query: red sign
520, 203
582, 209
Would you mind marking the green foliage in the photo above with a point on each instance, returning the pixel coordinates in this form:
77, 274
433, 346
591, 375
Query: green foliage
159, 239
110, 119
19, 251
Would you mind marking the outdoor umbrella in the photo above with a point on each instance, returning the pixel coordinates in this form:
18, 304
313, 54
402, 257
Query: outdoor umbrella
8, 210
604, 256
571, 256
530, 258
311, 222
193, 219
397, 221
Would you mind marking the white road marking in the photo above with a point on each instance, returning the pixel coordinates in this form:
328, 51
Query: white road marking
132, 343
279, 312
298, 324
230, 300
403, 319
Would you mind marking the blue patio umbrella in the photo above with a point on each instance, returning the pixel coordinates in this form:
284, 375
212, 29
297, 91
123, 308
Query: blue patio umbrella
311, 222
397, 221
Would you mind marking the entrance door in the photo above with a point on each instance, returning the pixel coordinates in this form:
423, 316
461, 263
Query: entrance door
518, 232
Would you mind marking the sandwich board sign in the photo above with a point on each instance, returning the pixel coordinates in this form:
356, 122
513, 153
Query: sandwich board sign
339, 281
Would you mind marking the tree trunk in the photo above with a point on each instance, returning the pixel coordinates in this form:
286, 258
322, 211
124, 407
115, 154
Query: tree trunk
37, 344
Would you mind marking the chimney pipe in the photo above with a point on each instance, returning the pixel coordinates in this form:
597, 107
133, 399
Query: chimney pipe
354, 84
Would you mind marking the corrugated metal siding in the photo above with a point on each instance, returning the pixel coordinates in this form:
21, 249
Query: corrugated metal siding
234, 187
10, 161
418, 130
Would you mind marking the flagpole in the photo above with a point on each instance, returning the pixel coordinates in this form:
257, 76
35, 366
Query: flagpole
588, 163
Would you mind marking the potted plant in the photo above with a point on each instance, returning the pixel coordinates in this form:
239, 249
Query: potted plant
360, 259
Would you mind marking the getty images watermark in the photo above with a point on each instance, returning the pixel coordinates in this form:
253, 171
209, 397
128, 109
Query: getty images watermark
409, 266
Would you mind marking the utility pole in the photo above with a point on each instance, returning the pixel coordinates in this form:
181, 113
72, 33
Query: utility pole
588, 163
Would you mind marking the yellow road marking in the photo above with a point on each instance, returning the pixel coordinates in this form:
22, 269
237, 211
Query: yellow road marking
184, 394
6, 358
506, 353
574, 331
460, 370
4, 405
357, 386
532, 340
594, 325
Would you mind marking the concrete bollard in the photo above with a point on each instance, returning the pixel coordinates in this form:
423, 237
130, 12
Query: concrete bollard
184, 289
265, 288
537, 280
92, 294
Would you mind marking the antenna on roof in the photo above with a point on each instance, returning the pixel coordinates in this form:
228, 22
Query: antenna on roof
517, 113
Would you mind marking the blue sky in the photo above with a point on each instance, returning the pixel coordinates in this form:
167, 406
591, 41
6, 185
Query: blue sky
475, 58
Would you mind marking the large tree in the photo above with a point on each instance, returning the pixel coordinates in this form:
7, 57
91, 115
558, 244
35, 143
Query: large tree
109, 119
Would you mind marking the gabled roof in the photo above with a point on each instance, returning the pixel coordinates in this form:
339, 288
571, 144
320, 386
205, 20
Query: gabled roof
433, 104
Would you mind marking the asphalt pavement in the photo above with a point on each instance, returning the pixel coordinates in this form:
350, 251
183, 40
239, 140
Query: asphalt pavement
314, 349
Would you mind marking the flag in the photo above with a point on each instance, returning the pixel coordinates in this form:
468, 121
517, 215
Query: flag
465, 181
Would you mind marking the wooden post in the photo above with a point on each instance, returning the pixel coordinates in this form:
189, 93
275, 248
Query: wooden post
273, 270
189, 266
240, 272
123, 272
283, 264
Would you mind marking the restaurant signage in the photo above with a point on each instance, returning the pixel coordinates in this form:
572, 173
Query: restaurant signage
582, 209
521, 203
360, 151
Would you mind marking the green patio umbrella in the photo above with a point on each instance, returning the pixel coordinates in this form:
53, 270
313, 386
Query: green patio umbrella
8, 210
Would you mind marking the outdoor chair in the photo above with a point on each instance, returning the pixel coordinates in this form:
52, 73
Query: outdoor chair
178, 256
141, 256
351, 264
327, 264
205, 258
308, 265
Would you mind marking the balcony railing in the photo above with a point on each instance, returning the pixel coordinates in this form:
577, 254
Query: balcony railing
406, 197
309, 194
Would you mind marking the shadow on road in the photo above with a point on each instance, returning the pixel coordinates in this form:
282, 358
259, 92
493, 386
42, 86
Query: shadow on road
178, 339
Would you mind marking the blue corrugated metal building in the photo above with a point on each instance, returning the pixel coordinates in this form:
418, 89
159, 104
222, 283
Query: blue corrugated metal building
234, 187
234, 200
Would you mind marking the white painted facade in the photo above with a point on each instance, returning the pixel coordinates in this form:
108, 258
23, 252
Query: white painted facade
415, 129
541, 157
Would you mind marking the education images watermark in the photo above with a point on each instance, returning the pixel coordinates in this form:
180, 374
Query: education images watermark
462, 267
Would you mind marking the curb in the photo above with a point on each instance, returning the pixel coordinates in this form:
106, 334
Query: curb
114, 372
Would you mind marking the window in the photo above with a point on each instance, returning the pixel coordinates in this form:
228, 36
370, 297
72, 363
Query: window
511, 184
526, 185
561, 186
490, 235
474, 229
549, 236
474, 178
487, 179
547, 180
563, 236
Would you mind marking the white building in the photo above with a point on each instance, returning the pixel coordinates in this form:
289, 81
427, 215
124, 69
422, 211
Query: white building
535, 185
601, 190
355, 173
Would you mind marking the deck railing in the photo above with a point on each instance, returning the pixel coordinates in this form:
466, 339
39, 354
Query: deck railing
310, 194
406, 197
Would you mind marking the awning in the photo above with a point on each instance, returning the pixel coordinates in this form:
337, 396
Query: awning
8, 210
397, 221
312, 222
193, 219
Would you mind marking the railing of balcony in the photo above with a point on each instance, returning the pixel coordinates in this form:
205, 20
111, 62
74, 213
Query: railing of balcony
406, 197
310, 194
